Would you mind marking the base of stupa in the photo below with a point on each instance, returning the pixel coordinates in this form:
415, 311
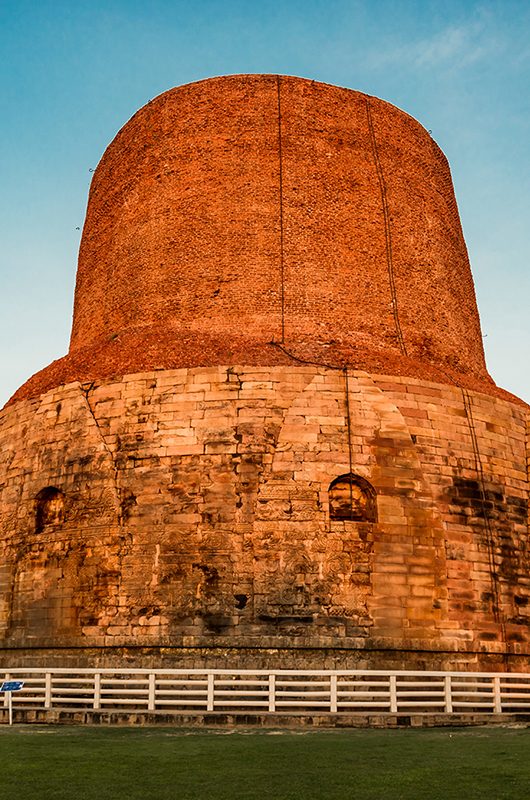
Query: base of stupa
198, 515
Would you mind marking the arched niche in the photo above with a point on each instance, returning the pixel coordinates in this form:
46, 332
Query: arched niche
352, 498
49, 508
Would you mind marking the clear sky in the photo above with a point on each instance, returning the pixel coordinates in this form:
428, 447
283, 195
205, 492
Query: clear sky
74, 72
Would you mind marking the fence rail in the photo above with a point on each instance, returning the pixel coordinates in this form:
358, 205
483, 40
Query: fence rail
197, 691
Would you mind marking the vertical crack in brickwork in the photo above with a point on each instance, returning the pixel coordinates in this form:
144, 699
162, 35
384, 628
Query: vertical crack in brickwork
348, 428
85, 391
490, 541
9, 622
344, 371
388, 234
280, 178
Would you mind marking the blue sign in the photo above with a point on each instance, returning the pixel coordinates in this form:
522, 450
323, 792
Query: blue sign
11, 686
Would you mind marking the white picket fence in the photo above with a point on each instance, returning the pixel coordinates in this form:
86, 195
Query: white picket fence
199, 691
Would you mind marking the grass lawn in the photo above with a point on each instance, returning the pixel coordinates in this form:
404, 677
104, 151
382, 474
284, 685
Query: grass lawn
85, 763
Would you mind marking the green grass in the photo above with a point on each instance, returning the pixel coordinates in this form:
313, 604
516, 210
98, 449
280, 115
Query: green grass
86, 763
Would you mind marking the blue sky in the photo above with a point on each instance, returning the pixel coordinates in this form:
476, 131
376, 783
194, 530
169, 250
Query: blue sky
74, 72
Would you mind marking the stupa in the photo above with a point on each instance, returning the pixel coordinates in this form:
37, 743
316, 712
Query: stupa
274, 441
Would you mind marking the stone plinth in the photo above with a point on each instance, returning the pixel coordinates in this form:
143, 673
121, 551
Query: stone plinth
193, 513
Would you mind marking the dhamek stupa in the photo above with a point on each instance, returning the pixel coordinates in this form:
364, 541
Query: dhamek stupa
274, 441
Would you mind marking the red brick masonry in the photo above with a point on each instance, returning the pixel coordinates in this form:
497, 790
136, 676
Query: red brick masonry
242, 211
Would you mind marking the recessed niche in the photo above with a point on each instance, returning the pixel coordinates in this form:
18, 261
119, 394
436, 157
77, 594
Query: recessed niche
352, 498
49, 508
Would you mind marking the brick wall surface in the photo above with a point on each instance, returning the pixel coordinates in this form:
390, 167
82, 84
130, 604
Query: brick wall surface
238, 214
196, 516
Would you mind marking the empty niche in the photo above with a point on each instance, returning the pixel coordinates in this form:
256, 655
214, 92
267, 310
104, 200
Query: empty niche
49, 508
352, 498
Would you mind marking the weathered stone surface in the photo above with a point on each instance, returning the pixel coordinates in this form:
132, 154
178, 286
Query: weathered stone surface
198, 522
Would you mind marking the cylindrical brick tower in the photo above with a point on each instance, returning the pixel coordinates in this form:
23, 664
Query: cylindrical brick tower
274, 440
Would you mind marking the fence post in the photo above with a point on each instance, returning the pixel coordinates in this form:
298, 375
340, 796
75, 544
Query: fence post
210, 698
333, 694
497, 702
151, 701
7, 677
448, 692
48, 690
393, 695
97, 691
272, 693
